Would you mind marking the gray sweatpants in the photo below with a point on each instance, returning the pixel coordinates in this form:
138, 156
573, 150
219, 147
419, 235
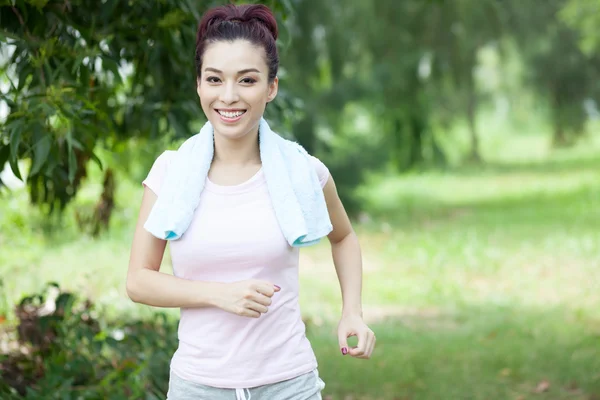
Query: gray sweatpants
303, 387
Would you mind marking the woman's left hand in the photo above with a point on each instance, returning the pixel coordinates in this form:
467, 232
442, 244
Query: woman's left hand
353, 325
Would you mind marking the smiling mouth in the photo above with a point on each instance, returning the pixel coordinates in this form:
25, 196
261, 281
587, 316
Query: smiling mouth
231, 114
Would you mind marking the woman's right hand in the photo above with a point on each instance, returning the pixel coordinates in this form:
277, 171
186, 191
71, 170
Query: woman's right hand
250, 298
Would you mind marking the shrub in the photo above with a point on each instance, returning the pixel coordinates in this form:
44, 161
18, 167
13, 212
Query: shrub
61, 349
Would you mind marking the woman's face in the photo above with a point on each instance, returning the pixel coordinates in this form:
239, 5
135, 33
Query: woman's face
234, 87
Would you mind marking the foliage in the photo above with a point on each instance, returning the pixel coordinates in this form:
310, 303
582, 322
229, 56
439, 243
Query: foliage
86, 76
63, 350
454, 58
90, 74
583, 16
563, 75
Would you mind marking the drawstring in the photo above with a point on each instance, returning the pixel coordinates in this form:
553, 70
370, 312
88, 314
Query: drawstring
240, 394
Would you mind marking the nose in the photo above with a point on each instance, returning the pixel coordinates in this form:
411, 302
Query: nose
229, 94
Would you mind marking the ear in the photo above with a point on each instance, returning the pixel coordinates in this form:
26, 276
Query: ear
198, 80
273, 87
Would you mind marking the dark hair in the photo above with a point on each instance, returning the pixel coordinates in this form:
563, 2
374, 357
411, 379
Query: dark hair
253, 22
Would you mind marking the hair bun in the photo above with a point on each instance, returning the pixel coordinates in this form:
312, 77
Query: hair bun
261, 14
246, 13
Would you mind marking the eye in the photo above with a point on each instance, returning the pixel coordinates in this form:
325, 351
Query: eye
248, 80
212, 79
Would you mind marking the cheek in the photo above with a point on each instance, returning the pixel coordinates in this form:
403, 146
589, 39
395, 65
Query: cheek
206, 95
257, 96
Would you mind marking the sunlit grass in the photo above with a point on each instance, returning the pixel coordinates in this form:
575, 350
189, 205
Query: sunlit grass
481, 282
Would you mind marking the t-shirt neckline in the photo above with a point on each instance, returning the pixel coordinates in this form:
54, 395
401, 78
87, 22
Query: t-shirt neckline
255, 181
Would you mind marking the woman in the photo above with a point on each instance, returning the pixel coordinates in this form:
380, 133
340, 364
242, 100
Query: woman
235, 277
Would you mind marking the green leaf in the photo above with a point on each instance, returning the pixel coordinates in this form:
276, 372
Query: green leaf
4, 154
113, 67
23, 72
172, 20
97, 160
41, 149
8, 35
9, 102
72, 164
15, 137
14, 165
75, 143
39, 4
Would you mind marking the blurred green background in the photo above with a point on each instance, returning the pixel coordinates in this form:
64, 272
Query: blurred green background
463, 135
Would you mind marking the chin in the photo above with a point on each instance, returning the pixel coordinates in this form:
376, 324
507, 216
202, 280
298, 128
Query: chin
234, 131
231, 132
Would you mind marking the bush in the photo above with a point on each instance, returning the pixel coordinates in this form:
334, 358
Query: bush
61, 349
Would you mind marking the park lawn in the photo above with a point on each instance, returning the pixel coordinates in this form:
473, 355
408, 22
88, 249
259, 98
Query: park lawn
485, 285
480, 283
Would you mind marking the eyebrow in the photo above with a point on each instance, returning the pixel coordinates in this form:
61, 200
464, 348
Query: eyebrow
241, 72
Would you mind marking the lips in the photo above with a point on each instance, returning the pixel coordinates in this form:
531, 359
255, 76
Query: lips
231, 114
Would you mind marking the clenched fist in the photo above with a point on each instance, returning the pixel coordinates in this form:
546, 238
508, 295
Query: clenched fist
249, 298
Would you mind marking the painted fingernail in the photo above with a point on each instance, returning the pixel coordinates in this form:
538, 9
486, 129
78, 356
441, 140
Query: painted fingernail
277, 287
344, 350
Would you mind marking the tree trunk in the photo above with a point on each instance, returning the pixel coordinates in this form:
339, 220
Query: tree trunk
416, 143
398, 142
559, 138
474, 155
439, 158
105, 205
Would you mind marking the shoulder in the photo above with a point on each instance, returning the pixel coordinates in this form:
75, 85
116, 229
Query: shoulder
158, 171
164, 158
162, 162
321, 168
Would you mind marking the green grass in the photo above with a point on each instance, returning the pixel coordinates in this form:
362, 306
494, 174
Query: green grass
477, 353
480, 282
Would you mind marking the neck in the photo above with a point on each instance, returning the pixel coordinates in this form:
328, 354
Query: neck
239, 152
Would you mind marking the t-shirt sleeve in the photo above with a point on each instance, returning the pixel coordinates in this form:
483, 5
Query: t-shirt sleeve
157, 173
322, 170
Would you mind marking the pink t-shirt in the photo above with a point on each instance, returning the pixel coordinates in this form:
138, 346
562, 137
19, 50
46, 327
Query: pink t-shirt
234, 236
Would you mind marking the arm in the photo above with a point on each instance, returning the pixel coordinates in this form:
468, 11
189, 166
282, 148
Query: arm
347, 259
146, 284
346, 252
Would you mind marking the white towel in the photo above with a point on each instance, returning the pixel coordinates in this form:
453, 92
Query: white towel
292, 182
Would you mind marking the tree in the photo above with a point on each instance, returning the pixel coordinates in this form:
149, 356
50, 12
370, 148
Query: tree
558, 70
397, 46
324, 70
583, 16
87, 74
458, 31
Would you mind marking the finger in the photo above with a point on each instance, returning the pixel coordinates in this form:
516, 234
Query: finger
251, 313
246, 312
373, 341
343, 341
262, 299
370, 346
267, 289
361, 346
252, 305
254, 296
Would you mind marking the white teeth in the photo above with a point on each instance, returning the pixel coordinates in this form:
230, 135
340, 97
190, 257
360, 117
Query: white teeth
231, 114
